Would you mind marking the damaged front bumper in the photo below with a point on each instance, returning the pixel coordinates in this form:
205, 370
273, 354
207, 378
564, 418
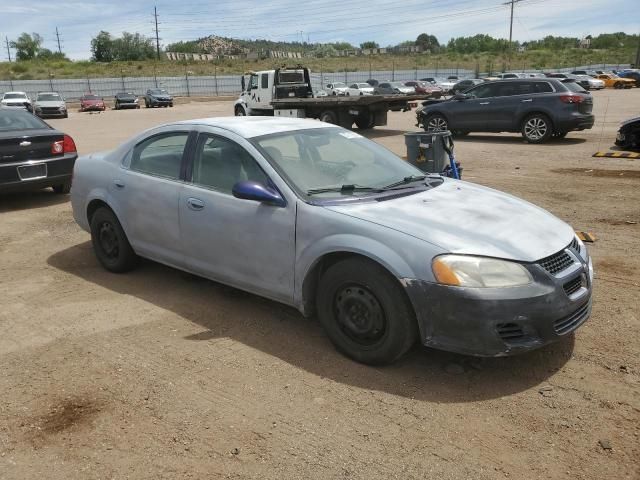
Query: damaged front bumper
503, 321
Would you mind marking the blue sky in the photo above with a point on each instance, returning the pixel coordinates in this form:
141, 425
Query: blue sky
387, 22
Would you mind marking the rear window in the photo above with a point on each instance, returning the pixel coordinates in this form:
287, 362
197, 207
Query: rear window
295, 76
11, 120
573, 86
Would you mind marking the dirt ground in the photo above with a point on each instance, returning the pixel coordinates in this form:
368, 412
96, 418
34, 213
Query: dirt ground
158, 374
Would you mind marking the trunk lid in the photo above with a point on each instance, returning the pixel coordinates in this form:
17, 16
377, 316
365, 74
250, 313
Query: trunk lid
27, 145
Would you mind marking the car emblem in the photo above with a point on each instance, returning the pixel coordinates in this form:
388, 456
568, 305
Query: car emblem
25, 144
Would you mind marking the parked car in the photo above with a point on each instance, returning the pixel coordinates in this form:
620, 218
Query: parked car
425, 88
614, 81
503, 76
336, 88
16, 100
373, 82
594, 83
591, 73
534, 75
333, 224
538, 108
628, 136
464, 85
393, 88
583, 82
633, 75
125, 100
90, 102
431, 80
158, 97
445, 85
360, 89
33, 155
453, 77
50, 104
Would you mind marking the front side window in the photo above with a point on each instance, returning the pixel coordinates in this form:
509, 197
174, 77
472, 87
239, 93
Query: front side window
253, 82
160, 155
484, 91
220, 163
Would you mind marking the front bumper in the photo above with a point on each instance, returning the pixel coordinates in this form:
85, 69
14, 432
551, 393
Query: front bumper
59, 170
94, 108
503, 321
128, 105
160, 103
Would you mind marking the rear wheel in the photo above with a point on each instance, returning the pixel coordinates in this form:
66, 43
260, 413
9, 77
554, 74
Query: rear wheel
365, 313
365, 122
435, 123
329, 117
618, 85
63, 188
110, 243
537, 128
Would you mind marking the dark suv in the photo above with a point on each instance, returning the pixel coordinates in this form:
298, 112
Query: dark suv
538, 108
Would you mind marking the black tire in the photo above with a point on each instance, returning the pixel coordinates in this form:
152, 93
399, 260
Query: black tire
66, 115
436, 122
137, 107
239, 111
146, 104
110, 243
537, 128
618, 85
63, 188
171, 105
329, 116
116, 107
365, 312
365, 122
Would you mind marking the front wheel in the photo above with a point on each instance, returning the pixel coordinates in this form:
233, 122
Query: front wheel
110, 243
365, 312
618, 85
537, 128
239, 111
329, 117
435, 123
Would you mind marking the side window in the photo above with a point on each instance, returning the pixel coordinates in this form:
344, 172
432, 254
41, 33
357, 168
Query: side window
160, 155
543, 87
485, 90
220, 163
353, 86
264, 80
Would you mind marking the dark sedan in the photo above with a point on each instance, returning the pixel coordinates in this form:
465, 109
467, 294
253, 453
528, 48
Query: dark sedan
628, 137
632, 74
464, 85
158, 97
33, 155
125, 100
539, 108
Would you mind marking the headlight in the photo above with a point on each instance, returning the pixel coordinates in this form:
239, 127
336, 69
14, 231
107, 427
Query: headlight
467, 271
135, 101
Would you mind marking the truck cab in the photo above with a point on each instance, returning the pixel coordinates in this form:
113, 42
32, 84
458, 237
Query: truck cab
259, 89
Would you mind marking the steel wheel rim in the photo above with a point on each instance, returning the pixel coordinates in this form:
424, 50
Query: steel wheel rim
437, 124
359, 314
108, 240
535, 128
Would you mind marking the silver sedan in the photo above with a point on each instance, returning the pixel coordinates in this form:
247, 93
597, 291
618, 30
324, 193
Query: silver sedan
318, 217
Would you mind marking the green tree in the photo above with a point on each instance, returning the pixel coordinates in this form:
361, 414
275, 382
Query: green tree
133, 46
428, 42
27, 46
102, 47
325, 50
46, 54
342, 46
369, 44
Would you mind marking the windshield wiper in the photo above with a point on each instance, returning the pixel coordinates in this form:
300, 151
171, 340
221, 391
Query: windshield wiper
348, 188
405, 180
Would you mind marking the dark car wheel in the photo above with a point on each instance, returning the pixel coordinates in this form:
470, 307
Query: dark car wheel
110, 243
329, 117
63, 188
618, 85
365, 312
435, 123
146, 104
365, 122
239, 111
537, 128
171, 104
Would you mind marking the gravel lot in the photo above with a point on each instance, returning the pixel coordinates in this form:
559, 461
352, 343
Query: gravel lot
159, 374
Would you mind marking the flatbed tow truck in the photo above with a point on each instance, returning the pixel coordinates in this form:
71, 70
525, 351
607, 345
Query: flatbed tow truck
287, 92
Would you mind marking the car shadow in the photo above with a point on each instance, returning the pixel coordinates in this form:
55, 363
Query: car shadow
15, 201
516, 139
281, 331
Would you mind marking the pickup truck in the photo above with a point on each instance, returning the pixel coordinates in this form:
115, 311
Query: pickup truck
287, 92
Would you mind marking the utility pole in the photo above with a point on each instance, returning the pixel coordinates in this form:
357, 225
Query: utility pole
6, 39
155, 15
511, 2
58, 37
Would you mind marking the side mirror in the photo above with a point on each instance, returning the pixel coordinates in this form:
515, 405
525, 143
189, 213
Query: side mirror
242, 82
460, 96
248, 190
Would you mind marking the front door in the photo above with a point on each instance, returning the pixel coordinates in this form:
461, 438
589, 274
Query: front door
243, 243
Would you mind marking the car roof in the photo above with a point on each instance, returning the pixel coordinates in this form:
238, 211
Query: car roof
249, 127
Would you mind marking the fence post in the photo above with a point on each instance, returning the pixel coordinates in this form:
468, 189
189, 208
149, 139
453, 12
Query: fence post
369, 68
321, 77
155, 76
88, 83
51, 80
436, 74
457, 68
215, 76
124, 89
186, 77
416, 70
393, 71
11, 82
345, 73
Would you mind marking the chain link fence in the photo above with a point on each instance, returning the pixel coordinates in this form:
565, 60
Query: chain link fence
222, 85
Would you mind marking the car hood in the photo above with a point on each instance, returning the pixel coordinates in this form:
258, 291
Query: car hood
629, 121
50, 103
464, 218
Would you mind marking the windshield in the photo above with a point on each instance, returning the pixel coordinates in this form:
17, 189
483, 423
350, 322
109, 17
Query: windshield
20, 96
338, 85
49, 97
332, 157
19, 120
90, 97
157, 91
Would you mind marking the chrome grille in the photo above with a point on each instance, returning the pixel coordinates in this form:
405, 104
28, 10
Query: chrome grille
557, 262
572, 321
573, 286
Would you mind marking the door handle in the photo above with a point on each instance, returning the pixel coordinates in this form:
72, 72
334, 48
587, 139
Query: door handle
195, 203
118, 183
484, 103
528, 100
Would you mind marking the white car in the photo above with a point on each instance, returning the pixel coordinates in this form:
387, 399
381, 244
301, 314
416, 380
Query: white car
16, 100
594, 83
360, 89
504, 76
336, 88
445, 85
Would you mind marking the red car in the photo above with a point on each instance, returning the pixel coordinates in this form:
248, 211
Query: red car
91, 102
425, 88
